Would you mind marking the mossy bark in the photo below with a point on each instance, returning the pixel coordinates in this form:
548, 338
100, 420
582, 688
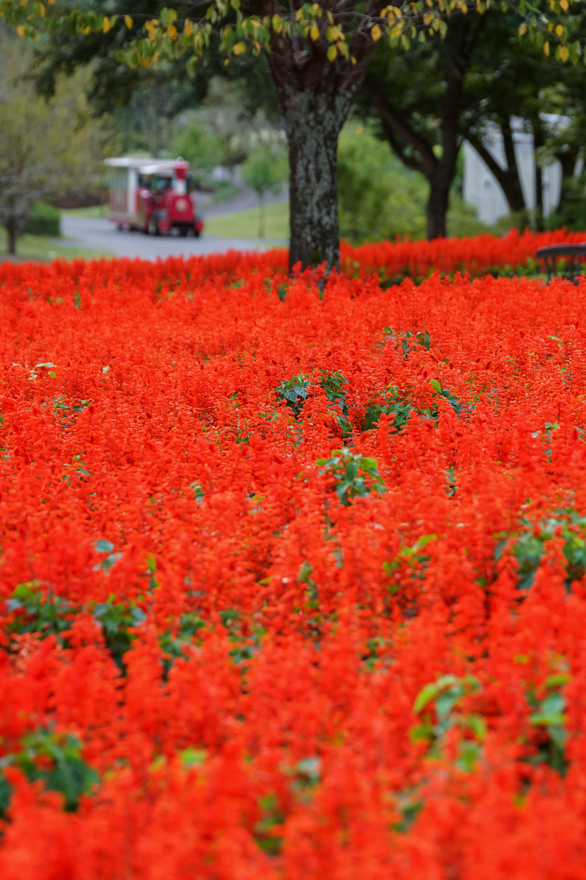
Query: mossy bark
315, 95
313, 126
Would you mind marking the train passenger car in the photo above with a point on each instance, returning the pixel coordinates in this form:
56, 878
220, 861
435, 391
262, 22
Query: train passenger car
152, 196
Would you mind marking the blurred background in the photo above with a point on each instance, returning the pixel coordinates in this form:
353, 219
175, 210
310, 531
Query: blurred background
474, 133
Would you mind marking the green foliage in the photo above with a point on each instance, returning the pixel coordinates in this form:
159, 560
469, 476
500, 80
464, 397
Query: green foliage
56, 760
392, 404
406, 341
381, 199
457, 405
378, 198
265, 170
573, 212
36, 611
445, 695
355, 475
199, 147
45, 150
44, 220
116, 620
333, 387
174, 643
549, 718
528, 547
294, 392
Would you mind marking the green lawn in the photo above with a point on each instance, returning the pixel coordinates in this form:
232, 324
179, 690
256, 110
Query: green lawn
244, 224
37, 247
94, 211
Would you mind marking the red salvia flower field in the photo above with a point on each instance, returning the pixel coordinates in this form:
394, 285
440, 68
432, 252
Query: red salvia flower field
292, 569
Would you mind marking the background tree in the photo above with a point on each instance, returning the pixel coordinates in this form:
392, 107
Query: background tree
416, 97
44, 147
265, 172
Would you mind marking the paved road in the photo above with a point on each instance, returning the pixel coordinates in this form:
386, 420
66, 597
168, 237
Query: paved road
101, 235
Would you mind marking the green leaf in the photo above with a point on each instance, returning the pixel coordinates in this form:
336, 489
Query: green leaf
543, 719
425, 696
436, 385
557, 680
191, 757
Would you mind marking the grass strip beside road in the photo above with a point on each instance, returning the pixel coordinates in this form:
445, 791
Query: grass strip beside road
37, 247
244, 224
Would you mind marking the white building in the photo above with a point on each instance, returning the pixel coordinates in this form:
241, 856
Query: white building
481, 188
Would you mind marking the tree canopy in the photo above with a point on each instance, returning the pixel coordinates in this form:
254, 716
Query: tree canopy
317, 56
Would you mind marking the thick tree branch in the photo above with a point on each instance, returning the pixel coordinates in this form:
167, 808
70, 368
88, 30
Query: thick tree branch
397, 127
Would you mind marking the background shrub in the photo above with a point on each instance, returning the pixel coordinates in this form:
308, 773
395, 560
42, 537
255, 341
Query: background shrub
44, 220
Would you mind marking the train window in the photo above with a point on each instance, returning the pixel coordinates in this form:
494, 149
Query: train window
144, 180
161, 183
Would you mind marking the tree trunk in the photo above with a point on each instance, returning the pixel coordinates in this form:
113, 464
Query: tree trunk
444, 171
11, 229
438, 202
538, 141
261, 217
508, 178
567, 160
315, 95
312, 124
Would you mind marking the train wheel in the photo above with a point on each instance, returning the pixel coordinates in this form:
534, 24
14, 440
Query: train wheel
183, 232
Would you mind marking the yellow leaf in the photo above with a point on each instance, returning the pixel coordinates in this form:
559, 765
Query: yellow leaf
564, 53
20, 30
128, 21
565, 5
277, 24
226, 62
172, 32
523, 30
106, 25
332, 53
314, 33
330, 16
187, 28
546, 48
239, 48
559, 30
353, 59
376, 33
42, 9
